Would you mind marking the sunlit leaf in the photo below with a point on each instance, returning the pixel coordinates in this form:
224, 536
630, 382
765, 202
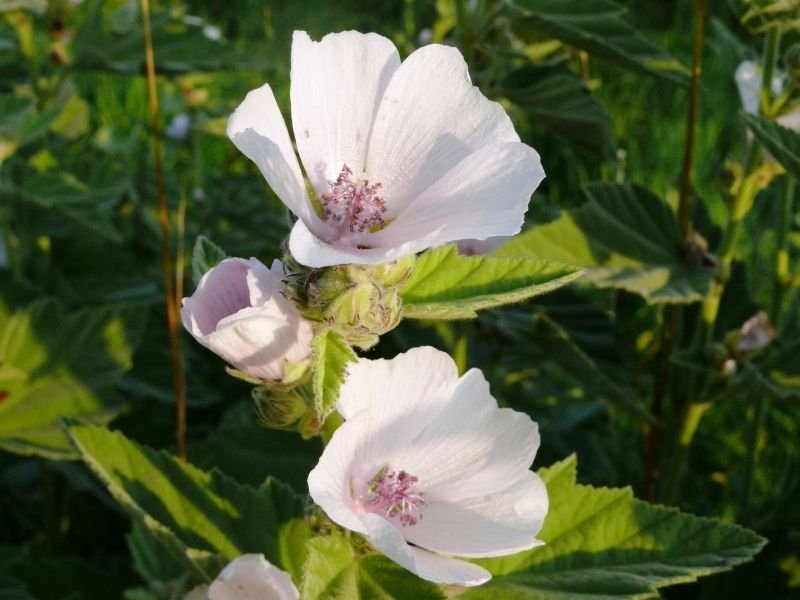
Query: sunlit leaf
331, 356
604, 543
447, 285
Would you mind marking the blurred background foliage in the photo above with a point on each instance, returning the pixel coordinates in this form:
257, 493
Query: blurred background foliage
81, 291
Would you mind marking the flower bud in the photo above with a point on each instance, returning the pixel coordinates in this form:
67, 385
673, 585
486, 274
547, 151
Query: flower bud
239, 311
279, 410
249, 576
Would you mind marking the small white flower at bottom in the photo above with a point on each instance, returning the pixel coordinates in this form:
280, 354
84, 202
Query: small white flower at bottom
249, 577
427, 467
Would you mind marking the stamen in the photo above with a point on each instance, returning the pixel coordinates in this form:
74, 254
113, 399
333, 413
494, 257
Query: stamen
393, 494
354, 204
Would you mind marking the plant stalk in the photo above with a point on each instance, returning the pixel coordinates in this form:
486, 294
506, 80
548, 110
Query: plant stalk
178, 382
783, 276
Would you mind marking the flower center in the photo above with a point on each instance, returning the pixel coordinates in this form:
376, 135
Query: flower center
354, 203
394, 494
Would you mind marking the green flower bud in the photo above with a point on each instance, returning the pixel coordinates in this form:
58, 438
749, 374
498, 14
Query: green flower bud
279, 410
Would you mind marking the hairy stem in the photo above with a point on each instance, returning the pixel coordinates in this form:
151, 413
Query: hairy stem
178, 382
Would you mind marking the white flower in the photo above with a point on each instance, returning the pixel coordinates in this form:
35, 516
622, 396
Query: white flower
239, 312
426, 466
178, 128
748, 79
249, 577
401, 157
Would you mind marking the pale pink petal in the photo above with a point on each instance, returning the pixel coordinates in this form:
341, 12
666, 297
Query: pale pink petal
311, 251
473, 247
396, 398
485, 195
430, 118
329, 481
265, 283
222, 292
336, 84
386, 538
258, 130
252, 577
497, 523
471, 447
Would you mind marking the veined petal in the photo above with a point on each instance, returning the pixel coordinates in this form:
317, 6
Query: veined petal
252, 577
430, 118
494, 524
336, 84
386, 538
258, 130
485, 195
329, 481
396, 399
222, 291
311, 251
471, 446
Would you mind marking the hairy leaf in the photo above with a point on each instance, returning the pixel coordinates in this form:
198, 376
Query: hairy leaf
205, 256
604, 543
331, 356
54, 364
600, 27
447, 285
625, 237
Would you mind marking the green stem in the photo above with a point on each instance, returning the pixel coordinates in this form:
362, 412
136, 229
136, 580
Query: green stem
759, 410
691, 421
771, 44
783, 277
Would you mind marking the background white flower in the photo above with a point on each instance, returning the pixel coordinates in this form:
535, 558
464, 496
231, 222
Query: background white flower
238, 311
249, 577
427, 466
402, 157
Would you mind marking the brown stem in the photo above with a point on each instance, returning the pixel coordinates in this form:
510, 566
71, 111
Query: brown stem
178, 384
684, 204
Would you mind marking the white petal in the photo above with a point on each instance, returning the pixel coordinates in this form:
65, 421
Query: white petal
495, 524
311, 251
221, 292
335, 87
396, 398
387, 539
429, 119
471, 447
485, 195
263, 283
329, 481
252, 577
259, 132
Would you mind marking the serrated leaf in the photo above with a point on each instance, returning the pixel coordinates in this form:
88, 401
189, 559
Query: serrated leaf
556, 99
783, 144
447, 285
55, 364
626, 237
604, 543
601, 28
190, 510
334, 571
205, 256
328, 370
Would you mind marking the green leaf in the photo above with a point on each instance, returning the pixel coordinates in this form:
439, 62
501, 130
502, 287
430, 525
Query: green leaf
782, 143
54, 364
556, 99
333, 570
205, 256
331, 356
604, 543
191, 511
626, 237
447, 285
601, 28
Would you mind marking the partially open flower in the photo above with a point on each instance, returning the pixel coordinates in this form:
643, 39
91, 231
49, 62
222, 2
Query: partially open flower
427, 467
401, 157
239, 312
249, 577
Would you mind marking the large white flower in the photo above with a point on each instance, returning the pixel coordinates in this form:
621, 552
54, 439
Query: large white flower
401, 157
426, 466
249, 577
239, 312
